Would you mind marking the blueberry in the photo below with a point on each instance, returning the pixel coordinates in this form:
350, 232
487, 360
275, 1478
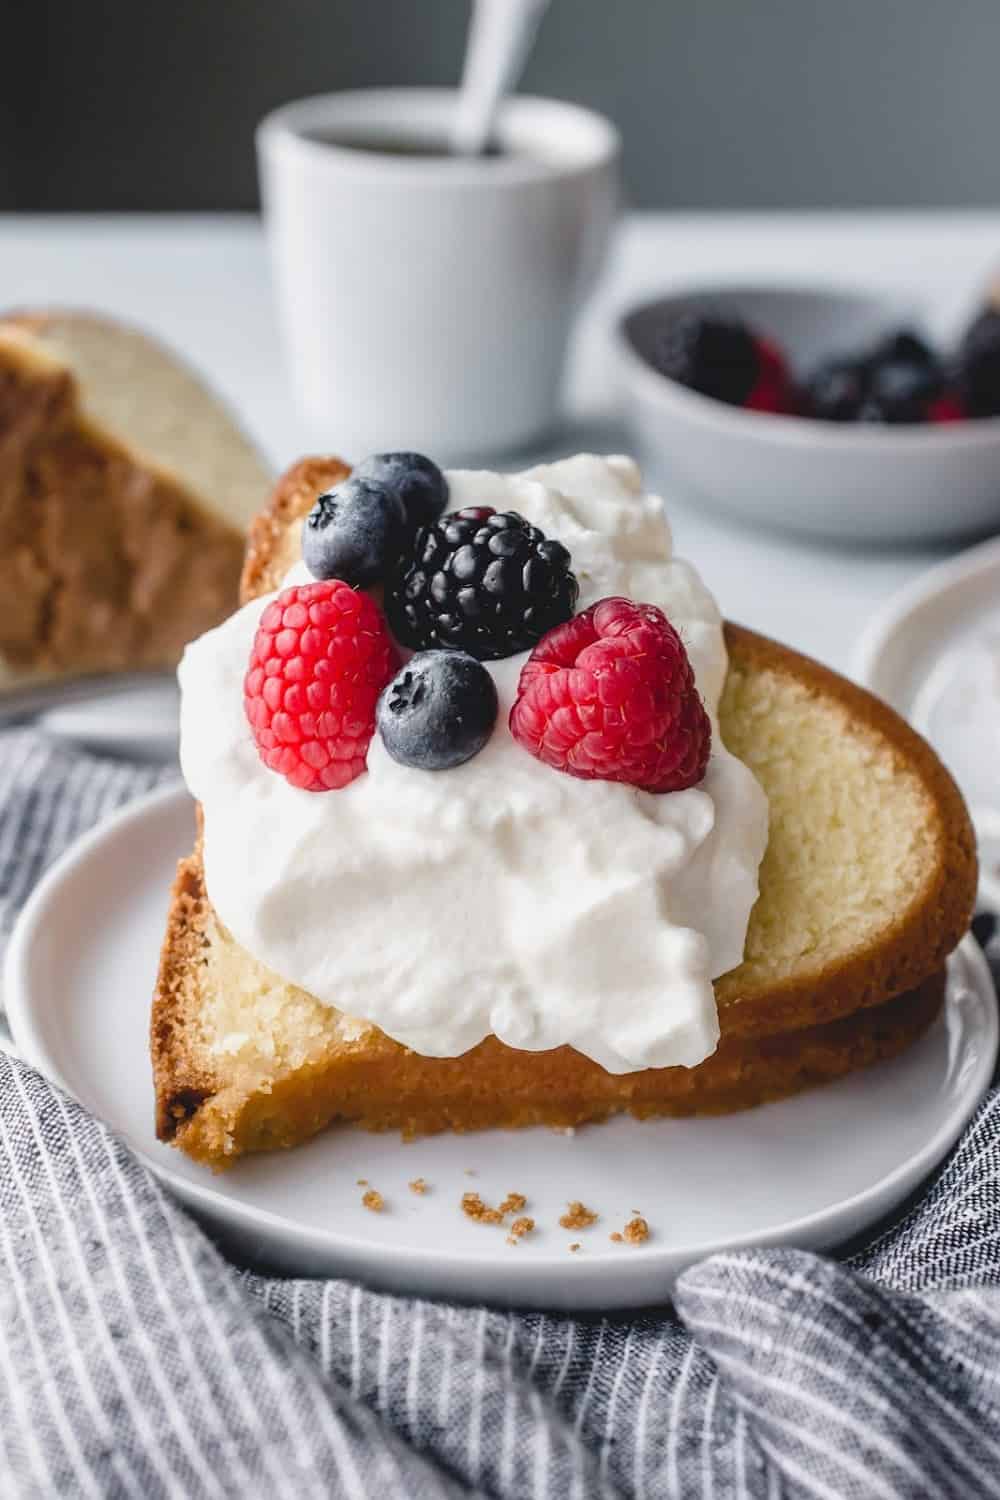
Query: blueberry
903, 390
836, 390
353, 532
417, 481
438, 711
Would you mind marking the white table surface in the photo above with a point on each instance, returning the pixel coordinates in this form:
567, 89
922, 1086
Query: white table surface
202, 283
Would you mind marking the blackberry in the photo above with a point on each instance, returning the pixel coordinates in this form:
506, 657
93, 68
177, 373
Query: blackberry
481, 581
978, 374
893, 383
904, 348
717, 356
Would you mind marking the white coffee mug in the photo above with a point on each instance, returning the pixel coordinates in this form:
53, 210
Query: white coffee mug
426, 300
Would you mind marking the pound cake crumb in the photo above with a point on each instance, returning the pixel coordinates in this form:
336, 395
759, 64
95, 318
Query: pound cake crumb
473, 1207
575, 1245
615, 1238
636, 1230
578, 1216
362, 1182
519, 1228
373, 1201
418, 1185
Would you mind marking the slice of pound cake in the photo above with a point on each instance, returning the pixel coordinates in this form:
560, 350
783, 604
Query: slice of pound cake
522, 938
125, 492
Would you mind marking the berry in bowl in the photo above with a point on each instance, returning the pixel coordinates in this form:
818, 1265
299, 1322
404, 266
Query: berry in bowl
825, 412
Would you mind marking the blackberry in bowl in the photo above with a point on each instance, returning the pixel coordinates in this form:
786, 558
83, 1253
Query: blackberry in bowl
727, 359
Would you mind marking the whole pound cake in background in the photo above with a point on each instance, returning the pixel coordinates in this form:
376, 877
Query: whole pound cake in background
866, 885
125, 493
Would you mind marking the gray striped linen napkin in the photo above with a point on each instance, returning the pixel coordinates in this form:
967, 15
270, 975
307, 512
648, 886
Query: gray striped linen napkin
134, 1360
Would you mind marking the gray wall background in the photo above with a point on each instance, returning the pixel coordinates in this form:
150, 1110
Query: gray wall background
150, 104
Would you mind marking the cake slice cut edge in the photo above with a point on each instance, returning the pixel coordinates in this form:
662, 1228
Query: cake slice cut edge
867, 886
125, 491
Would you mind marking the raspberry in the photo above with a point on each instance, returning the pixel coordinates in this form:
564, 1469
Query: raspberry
320, 658
611, 696
947, 408
772, 390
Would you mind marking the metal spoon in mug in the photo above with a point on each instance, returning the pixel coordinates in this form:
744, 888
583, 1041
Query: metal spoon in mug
500, 38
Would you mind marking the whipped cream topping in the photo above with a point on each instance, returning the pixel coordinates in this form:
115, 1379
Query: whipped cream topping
502, 896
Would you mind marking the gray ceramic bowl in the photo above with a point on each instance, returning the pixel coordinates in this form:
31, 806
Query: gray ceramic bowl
849, 481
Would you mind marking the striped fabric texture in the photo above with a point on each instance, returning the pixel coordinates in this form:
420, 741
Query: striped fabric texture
135, 1360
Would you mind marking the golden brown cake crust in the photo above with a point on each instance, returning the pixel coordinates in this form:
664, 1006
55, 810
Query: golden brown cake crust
779, 1035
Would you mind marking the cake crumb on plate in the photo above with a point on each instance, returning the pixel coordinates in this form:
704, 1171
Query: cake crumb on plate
373, 1201
418, 1185
578, 1216
473, 1207
636, 1231
519, 1228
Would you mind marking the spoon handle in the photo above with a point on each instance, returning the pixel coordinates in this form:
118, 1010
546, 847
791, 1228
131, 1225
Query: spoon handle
500, 38
18, 704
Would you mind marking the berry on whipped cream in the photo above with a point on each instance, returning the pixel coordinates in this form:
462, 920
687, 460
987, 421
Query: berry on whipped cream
438, 711
611, 695
320, 657
499, 897
353, 531
481, 581
419, 483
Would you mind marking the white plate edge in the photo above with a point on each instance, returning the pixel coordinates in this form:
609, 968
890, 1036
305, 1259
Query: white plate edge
924, 591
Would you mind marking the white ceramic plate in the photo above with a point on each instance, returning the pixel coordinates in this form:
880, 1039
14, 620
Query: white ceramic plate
934, 654
810, 1171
